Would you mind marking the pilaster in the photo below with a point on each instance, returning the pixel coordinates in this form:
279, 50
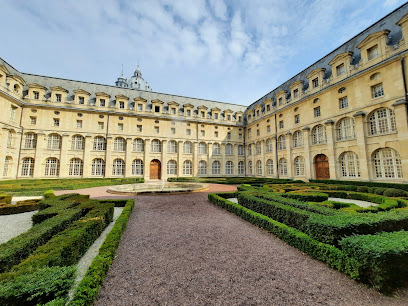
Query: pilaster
289, 156
128, 157
195, 158
164, 160
63, 155
306, 146
363, 158
146, 162
108, 161
330, 148
87, 156
179, 158
38, 157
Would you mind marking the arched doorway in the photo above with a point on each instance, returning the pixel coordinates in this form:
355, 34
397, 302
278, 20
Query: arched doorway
321, 162
155, 169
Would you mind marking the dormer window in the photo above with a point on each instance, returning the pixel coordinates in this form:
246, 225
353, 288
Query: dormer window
257, 112
140, 107
58, 97
340, 69
373, 52
268, 107
315, 82
249, 117
296, 93
215, 116
102, 102
121, 105
239, 119
157, 109
188, 112
202, 114
16, 88
36, 95
81, 100
173, 111
280, 101
229, 117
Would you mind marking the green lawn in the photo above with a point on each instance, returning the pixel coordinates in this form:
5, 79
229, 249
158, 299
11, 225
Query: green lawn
38, 186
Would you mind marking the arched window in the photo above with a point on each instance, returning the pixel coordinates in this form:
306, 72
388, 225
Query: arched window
137, 167
345, 129
259, 167
229, 168
119, 144
298, 139
118, 167
216, 167
319, 134
7, 162
258, 148
172, 167
187, 167
241, 168
156, 146
54, 142
283, 167
51, 167
30, 141
76, 167
202, 167
77, 142
249, 149
387, 163
241, 150
202, 148
187, 147
138, 145
27, 166
216, 149
269, 166
282, 142
99, 143
98, 167
299, 166
229, 149
269, 145
172, 146
350, 166
250, 167
382, 121
10, 139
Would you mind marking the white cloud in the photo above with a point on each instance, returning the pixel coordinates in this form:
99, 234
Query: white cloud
219, 8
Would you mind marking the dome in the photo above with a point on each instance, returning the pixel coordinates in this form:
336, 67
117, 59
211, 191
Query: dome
135, 82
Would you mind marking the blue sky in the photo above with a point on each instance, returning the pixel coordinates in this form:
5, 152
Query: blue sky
224, 50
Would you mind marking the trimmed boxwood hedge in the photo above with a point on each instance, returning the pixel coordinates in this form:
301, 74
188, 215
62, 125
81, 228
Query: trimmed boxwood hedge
20, 207
360, 183
5, 198
384, 258
331, 255
88, 288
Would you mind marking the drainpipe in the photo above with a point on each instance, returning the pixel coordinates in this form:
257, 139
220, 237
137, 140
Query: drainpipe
276, 149
405, 84
106, 151
21, 142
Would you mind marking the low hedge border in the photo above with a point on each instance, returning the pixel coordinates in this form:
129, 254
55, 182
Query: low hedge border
384, 257
20, 207
88, 288
5, 198
359, 183
331, 255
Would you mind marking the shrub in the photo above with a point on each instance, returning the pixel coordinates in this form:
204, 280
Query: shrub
5, 198
38, 287
359, 183
20, 207
88, 288
384, 258
392, 192
362, 189
49, 194
307, 197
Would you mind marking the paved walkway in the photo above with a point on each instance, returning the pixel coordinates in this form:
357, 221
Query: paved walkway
183, 250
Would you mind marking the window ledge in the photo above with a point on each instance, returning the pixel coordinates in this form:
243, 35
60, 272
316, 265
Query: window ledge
382, 134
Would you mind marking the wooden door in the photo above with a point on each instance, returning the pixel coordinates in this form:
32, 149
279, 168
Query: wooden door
155, 169
322, 167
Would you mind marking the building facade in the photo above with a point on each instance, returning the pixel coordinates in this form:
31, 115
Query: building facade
344, 117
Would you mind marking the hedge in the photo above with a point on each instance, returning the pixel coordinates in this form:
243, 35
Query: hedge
332, 256
88, 288
331, 229
19, 248
38, 287
233, 180
20, 207
384, 257
359, 183
5, 198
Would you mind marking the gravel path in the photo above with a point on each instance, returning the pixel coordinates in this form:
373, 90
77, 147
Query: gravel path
357, 202
14, 225
183, 250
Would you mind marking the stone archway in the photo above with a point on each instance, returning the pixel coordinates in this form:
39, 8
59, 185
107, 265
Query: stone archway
155, 169
321, 163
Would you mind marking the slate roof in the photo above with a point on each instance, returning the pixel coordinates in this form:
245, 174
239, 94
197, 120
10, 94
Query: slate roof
388, 22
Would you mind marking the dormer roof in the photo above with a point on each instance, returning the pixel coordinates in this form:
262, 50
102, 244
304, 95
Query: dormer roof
372, 37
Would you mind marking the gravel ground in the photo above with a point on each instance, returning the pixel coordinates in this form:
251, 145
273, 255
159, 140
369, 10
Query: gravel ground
183, 250
14, 225
357, 202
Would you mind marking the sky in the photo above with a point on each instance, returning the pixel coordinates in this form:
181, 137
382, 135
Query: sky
223, 50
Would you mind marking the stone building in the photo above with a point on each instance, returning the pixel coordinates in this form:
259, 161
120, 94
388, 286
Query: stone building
343, 117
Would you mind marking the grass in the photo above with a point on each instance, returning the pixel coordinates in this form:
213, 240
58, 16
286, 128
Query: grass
34, 187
